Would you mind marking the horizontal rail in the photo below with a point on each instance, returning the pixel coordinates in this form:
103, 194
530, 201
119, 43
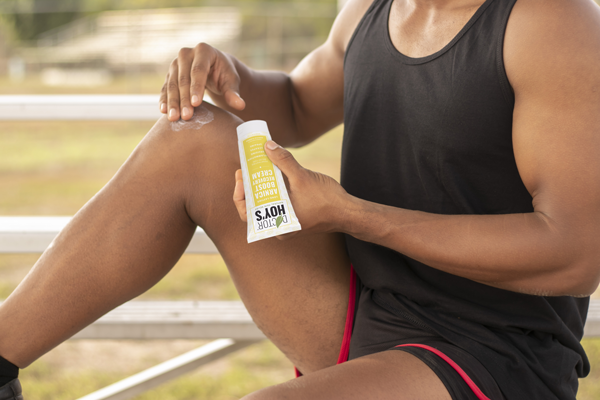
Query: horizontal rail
153, 320
67, 107
592, 325
79, 107
175, 320
34, 235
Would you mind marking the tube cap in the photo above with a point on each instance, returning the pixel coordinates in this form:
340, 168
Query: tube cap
251, 127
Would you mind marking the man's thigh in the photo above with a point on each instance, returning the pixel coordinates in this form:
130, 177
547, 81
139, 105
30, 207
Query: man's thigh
296, 290
393, 375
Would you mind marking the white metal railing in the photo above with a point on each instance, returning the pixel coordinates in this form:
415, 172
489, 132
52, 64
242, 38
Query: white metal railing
34, 235
79, 107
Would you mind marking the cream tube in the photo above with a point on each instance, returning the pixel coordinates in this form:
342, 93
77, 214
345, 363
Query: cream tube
268, 206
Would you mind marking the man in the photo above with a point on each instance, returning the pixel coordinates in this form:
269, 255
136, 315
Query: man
470, 205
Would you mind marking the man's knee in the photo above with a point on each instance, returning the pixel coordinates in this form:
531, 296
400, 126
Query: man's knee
209, 135
188, 163
199, 157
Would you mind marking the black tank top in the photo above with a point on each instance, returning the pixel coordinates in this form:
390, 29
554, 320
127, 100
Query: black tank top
435, 134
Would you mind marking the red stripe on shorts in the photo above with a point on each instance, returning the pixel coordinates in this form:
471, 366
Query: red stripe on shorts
454, 365
345, 349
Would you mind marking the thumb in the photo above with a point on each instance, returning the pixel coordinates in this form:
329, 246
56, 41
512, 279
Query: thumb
282, 159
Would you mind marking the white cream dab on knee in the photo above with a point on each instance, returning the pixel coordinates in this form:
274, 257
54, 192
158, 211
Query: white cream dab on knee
201, 117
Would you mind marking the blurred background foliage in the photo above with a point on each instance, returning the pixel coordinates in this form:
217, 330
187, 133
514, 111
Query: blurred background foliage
126, 46
27, 19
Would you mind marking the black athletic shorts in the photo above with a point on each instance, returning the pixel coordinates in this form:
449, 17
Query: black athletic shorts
373, 326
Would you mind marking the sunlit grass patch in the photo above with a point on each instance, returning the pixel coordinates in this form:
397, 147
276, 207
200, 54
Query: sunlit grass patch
233, 384
54, 168
41, 384
249, 370
64, 376
48, 194
64, 145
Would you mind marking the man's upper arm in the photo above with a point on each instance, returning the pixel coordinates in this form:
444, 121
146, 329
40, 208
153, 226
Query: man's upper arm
552, 59
318, 81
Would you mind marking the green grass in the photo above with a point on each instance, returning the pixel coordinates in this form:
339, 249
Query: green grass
53, 168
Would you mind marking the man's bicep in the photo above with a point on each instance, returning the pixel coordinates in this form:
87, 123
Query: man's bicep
318, 81
552, 58
557, 150
318, 92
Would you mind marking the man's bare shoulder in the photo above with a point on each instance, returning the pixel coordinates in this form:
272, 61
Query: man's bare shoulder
552, 60
346, 22
550, 39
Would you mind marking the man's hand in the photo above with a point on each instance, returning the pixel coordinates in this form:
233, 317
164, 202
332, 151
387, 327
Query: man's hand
318, 200
193, 71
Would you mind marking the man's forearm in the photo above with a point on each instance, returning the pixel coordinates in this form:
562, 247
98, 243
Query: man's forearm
525, 253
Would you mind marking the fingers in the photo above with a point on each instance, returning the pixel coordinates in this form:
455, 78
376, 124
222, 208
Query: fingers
283, 159
212, 68
193, 71
229, 82
224, 80
184, 64
239, 198
163, 96
173, 91
204, 58
186, 81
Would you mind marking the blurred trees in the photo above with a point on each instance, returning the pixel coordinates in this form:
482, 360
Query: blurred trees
26, 19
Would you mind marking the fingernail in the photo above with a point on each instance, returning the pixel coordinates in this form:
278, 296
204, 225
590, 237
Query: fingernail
172, 113
163, 107
195, 99
271, 145
185, 112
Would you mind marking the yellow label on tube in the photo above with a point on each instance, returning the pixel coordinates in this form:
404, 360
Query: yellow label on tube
260, 169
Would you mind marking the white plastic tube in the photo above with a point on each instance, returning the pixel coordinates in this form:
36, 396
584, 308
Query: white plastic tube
268, 205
